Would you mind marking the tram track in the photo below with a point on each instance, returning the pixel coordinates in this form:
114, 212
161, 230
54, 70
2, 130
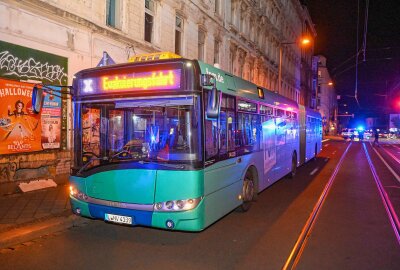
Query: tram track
393, 218
301, 242
386, 164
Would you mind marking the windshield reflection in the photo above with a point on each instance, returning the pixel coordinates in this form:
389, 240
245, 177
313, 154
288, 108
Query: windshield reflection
157, 130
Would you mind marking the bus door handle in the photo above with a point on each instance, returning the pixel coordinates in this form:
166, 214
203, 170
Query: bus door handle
239, 160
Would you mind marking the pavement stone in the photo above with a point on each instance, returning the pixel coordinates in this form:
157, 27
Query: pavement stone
27, 216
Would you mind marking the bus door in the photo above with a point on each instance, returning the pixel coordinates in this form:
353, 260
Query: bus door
281, 146
269, 148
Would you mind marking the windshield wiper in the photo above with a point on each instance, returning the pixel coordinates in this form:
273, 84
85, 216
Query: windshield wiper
89, 162
174, 166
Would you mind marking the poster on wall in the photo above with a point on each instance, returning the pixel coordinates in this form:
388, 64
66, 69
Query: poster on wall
51, 121
23, 63
20, 127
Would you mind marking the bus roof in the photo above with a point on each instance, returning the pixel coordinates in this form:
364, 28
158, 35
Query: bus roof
233, 85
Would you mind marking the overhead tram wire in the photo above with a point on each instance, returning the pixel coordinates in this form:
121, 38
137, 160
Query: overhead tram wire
357, 53
365, 30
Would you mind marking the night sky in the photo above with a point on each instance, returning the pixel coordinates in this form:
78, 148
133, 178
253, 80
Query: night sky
379, 75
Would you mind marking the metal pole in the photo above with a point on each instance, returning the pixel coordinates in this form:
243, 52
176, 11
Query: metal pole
280, 70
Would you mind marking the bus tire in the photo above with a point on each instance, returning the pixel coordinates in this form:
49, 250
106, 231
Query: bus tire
248, 191
293, 170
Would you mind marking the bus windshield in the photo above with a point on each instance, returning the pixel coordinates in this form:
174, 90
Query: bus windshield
162, 130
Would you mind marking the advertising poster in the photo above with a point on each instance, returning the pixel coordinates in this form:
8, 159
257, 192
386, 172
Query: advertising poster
51, 121
20, 128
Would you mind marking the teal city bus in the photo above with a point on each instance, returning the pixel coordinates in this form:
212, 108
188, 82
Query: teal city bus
177, 143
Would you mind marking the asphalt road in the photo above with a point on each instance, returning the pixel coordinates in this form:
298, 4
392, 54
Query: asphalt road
351, 229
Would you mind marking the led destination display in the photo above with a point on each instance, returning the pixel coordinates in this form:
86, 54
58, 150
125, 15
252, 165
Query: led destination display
160, 80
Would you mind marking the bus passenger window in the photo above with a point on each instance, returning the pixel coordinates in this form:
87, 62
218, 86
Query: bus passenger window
249, 127
231, 121
222, 133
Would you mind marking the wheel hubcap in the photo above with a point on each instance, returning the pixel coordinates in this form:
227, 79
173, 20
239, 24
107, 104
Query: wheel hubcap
248, 190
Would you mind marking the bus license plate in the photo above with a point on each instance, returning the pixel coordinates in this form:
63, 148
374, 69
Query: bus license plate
118, 219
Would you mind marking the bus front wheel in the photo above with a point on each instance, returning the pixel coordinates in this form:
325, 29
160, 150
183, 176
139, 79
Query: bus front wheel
248, 191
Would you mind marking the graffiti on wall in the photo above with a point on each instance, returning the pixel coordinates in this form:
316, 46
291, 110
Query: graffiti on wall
23, 63
30, 68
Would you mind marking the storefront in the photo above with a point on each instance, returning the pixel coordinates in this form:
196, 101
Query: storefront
32, 146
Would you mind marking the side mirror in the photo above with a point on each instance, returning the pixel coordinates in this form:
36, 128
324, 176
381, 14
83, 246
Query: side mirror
37, 99
214, 99
207, 80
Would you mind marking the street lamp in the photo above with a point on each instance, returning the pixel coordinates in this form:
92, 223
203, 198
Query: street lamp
304, 41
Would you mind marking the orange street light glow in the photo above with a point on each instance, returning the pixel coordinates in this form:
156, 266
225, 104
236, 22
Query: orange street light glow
305, 41
330, 83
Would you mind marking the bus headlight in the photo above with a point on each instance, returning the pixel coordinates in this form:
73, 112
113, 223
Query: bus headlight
177, 205
74, 192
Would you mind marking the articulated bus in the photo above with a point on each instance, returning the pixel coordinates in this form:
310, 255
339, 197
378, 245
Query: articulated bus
177, 143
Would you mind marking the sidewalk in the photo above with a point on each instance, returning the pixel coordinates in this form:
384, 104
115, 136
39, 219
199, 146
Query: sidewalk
26, 216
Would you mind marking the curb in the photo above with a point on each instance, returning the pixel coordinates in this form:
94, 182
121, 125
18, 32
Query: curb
30, 232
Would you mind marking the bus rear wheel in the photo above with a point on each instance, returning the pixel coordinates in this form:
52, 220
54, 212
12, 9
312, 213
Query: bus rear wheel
248, 191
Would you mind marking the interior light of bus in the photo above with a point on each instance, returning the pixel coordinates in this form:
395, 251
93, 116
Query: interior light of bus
168, 79
188, 64
134, 118
289, 108
269, 126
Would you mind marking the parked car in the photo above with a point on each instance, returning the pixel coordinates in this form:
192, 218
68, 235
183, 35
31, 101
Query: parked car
349, 133
383, 134
368, 134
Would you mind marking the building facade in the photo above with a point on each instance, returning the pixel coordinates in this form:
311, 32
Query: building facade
50, 40
325, 97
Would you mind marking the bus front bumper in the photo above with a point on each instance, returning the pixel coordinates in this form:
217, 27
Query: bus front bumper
192, 220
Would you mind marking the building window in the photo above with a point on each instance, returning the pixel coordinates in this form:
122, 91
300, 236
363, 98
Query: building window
178, 35
216, 51
231, 61
217, 6
201, 40
148, 20
113, 13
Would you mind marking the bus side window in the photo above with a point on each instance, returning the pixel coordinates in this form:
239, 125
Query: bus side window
248, 135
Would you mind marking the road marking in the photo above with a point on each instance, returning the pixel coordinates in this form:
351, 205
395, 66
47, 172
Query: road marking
393, 218
387, 165
314, 171
326, 160
325, 140
392, 187
326, 145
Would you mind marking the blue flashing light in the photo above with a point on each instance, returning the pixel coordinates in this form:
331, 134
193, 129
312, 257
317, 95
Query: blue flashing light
360, 128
